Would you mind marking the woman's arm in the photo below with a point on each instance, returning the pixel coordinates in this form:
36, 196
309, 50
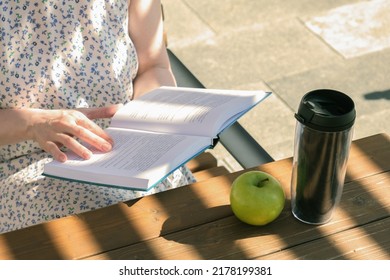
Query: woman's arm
146, 32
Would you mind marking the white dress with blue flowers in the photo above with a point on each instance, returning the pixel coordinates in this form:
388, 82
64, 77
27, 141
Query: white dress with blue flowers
61, 54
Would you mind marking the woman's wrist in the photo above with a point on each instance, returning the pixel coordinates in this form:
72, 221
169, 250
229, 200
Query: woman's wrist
16, 125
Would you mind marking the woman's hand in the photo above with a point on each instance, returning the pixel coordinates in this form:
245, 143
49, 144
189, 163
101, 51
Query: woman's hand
52, 129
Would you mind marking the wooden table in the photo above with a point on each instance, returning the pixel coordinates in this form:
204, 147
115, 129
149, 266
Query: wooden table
196, 222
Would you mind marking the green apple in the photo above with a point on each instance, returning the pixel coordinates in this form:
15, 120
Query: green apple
256, 198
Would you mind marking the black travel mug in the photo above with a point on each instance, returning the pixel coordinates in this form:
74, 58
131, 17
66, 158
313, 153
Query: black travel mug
323, 135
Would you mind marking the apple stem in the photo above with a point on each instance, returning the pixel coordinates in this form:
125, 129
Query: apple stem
261, 183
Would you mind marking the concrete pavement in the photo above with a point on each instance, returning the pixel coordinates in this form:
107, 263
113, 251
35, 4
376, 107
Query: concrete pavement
289, 48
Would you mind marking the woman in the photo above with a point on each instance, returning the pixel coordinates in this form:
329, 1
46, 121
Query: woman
64, 64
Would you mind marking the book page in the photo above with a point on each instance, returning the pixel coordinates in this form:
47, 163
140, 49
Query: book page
185, 110
137, 160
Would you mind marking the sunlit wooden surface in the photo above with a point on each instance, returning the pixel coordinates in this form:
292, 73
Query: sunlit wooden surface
196, 222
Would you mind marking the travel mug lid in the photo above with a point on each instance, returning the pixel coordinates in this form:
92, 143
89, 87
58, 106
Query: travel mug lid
326, 110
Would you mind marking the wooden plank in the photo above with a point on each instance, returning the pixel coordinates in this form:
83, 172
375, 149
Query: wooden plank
203, 161
368, 156
368, 242
366, 200
120, 225
210, 173
377, 153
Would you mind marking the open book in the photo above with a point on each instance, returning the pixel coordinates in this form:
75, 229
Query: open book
156, 134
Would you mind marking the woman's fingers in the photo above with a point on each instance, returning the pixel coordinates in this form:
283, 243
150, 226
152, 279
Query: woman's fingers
100, 112
90, 132
64, 140
63, 127
56, 136
54, 149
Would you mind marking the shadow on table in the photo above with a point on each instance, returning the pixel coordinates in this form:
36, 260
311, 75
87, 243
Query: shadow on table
229, 238
363, 205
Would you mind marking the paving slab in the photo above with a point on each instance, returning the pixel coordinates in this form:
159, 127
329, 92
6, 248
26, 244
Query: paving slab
290, 48
182, 26
355, 29
260, 53
364, 78
226, 15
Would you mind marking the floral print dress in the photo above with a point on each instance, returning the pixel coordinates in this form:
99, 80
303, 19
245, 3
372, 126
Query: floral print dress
62, 54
